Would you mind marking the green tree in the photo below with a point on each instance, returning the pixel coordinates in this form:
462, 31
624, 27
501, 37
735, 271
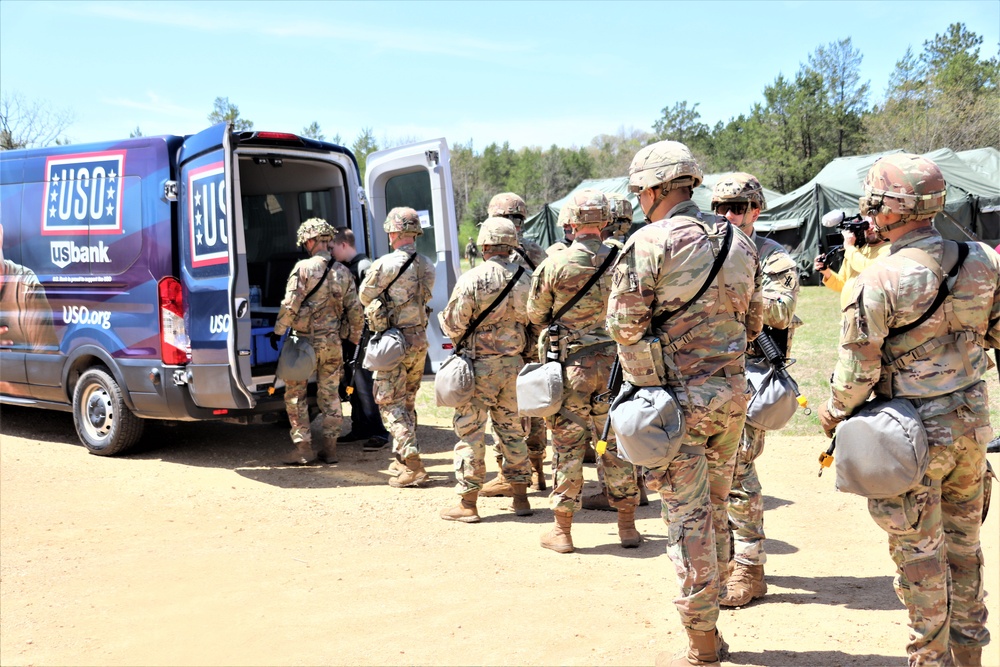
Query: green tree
137, 132
223, 111
683, 124
313, 131
613, 153
364, 145
28, 123
839, 65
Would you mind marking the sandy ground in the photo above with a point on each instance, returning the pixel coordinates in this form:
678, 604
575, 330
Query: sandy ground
200, 550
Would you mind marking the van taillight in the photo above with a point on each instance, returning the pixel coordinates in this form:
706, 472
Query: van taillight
175, 346
280, 136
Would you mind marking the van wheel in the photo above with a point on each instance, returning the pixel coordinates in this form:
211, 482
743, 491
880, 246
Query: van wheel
102, 420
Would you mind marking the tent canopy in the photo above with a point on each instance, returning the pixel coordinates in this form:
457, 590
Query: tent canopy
544, 229
794, 219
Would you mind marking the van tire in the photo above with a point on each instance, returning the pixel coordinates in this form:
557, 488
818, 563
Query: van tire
102, 420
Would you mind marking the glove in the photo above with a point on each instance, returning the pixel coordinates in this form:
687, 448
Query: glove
828, 421
273, 339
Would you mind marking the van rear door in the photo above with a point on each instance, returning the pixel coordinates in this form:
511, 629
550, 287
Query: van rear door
419, 176
213, 272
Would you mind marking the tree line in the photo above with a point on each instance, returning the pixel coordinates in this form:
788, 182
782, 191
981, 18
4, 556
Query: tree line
946, 95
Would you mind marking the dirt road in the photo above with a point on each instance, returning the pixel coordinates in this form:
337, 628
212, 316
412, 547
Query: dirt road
200, 550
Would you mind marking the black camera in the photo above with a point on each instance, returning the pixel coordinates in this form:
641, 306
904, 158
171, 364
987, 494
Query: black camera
834, 257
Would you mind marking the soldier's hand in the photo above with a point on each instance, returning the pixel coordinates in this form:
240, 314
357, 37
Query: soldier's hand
828, 421
273, 339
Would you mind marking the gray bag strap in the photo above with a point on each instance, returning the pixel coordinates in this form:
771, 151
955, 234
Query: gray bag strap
590, 283
406, 265
720, 259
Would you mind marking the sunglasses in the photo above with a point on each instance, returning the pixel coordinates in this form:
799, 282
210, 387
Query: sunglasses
738, 208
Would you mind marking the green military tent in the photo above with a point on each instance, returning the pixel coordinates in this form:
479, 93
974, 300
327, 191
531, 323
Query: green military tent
794, 219
543, 227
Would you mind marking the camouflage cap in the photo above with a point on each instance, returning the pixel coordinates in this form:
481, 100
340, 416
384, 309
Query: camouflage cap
665, 162
507, 204
904, 183
497, 231
313, 228
588, 207
738, 187
403, 220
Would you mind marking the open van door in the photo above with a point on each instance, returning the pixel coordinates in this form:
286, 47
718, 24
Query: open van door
419, 176
214, 284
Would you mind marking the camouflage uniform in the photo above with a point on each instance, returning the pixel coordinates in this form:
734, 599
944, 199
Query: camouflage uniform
780, 293
664, 264
396, 390
746, 502
496, 348
589, 357
332, 313
934, 527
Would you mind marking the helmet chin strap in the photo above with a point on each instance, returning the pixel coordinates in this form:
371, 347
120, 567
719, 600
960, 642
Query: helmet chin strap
660, 196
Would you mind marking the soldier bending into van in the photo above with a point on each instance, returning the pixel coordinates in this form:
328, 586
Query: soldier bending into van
495, 348
396, 390
739, 198
330, 314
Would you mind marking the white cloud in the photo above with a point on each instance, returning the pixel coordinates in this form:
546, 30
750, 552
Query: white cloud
154, 103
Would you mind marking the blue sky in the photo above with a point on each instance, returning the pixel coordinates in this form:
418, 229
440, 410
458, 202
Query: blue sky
532, 73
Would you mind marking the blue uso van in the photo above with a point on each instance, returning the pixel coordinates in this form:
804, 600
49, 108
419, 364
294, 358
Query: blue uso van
140, 277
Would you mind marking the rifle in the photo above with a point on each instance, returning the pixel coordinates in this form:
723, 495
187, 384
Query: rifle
358, 357
615, 380
768, 349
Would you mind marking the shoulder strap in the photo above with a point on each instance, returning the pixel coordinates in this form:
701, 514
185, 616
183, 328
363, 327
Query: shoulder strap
951, 254
720, 259
406, 265
489, 309
590, 283
524, 255
322, 278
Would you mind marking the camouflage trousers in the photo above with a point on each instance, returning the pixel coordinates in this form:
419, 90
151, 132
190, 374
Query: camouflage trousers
746, 502
694, 489
538, 436
396, 394
584, 379
617, 475
495, 398
934, 531
329, 366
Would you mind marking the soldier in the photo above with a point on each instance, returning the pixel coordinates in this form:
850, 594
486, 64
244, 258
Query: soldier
609, 463
529, 255
589, 354
567, 239
857, 257
664, 265
471, 253
495, 348
939, 364
396, 390
740, 199
330, 314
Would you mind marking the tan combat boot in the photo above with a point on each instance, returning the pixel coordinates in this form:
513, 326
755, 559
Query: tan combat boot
498, 486
598, 501
559, 539
396, 467
414, 475
465, 511
328, 450
627, 533
704, 648
300, 456
537, 471
745, 584
967, 656
521, 505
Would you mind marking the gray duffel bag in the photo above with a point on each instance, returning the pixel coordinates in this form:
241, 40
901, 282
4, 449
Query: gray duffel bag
881, 450
297, 361
385, 350
774, 400
455, 382
649, 425
540, 389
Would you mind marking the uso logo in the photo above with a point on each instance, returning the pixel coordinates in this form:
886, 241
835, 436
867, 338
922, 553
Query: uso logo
207, 215
83, 194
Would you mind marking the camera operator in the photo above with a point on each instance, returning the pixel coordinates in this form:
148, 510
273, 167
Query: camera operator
857, 257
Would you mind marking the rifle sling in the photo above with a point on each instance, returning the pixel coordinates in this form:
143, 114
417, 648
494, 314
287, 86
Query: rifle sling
590, 283
720, 259
943, 289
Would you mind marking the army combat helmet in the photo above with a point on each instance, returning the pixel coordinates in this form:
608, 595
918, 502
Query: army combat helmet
621, 214
313, 228
497, 231
666, 163
403, 220
508, 205
588, 207
736, 188
903, 183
